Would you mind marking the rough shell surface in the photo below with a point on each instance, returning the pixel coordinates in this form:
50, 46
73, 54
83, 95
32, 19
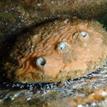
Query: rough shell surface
57, 51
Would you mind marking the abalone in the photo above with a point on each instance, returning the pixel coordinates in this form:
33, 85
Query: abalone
57, 51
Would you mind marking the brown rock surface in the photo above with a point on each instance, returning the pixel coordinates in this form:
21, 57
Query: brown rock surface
16, 15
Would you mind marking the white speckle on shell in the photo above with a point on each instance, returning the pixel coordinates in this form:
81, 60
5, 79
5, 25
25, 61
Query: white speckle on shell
66, 21
80, 106
29, 98
39, 4
104, 94
52, 2
93, 104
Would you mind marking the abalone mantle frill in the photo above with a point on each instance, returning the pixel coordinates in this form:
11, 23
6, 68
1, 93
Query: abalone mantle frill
57, 51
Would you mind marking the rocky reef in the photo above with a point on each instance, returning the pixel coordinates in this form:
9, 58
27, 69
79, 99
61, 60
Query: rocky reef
16, 15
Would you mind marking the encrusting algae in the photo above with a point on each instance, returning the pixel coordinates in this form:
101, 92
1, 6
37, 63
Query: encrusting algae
57, 51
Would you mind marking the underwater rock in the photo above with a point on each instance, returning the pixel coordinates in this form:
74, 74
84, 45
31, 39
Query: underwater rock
16, 15
56, 51
87, 91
